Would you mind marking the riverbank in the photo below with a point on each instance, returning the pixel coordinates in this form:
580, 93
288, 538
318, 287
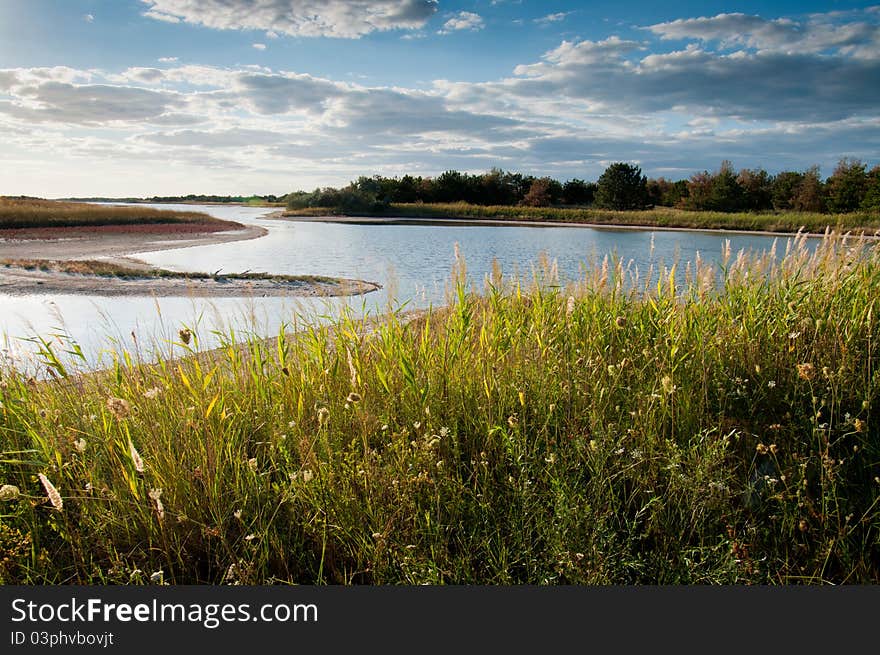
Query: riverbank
658, 218
721, 433
51, 247
127, 277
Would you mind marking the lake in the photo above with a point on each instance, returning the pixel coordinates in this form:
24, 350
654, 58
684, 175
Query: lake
412, 262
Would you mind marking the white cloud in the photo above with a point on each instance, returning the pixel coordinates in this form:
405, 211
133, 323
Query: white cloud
165, 18
676, 107
331, 18
258, 46
818, 33
463, 20
167, 60
89, 18
552, 18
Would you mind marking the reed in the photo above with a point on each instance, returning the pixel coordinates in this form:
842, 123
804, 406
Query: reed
696, 424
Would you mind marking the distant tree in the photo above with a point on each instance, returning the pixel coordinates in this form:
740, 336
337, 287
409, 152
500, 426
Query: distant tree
785, 185
450, 187
727, 193
699, 191
871, 201
666, 193
578, 192
757, 189
809, 195
719, 191
847, 186
539, 194
622, 186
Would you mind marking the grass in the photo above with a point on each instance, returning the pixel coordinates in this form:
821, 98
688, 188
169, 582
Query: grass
111, 269
619, 430
18, 213
788, 221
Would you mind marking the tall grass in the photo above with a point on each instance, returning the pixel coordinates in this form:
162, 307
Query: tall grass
785, 221
619, 430
16, 213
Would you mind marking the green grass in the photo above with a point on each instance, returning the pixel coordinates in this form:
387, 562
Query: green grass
787, 221
18, 213
615, 431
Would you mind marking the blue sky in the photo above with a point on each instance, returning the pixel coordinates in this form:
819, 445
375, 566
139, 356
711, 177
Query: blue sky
161, 97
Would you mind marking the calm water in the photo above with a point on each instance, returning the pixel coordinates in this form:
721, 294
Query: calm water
413, 263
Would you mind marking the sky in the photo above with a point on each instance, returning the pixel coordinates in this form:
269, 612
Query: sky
136, 98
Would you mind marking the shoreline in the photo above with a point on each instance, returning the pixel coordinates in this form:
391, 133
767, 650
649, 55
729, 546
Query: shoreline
495, 222
16, 281
119, 245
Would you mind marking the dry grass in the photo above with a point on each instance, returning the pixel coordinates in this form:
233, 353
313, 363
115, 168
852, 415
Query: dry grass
18, 213
787, 221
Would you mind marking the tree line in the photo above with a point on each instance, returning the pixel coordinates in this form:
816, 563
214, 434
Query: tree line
851, 187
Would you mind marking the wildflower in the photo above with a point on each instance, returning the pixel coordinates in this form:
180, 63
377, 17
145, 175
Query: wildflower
512, 421
158, 577
252, 463
620, 322
136, 458
237, 514
80, 445
118, 407
594, 445
152, 393
569, 307
353, 398
51, 492
793, 335
806, 371
185, 335
323, 416
9, 492
307, 475
154, 495
444, 432
417, 425
771, 383
826, 371
377, 535
774, 449
250, 537
666, 383
761, 449
859, 425
803, 526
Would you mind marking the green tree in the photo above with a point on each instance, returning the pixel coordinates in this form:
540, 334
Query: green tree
847, 185
809, 195
785, 185
622, 186
871, 201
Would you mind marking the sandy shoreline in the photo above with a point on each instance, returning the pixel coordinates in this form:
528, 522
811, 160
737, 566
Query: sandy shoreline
120, 246
20, 281
76, 243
